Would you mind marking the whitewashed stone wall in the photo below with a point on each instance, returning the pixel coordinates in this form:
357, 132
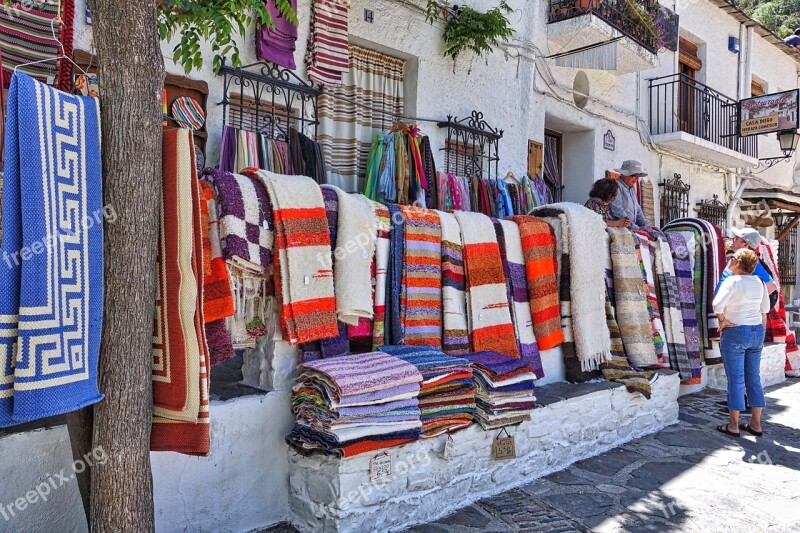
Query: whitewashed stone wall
329, 494
773, 360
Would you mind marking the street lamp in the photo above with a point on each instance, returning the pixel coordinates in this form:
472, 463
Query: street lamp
788, 140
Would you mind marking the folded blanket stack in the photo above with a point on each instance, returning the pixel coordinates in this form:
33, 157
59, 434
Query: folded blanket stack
504, 389
354, 404
447, 395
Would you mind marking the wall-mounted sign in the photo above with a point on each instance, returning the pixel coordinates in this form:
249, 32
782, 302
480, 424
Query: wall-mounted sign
609, 141
503, 447
380, 467
769, 113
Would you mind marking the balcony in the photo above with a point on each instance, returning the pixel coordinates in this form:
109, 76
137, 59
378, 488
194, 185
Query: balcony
691, 118
600, 34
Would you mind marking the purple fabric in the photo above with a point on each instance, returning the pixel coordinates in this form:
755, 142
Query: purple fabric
496, 364
277, 44
220, 347
686, 296
364, 373
377, 409
227, 151
379, 395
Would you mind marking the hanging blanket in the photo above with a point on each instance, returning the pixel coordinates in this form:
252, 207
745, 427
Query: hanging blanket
488, 313
685, 286
538, 250
394, 278
421, 297
327, 55
382, 258
584, 231
518, 292
303, 270
632, 315
338, 345
455, 340
26, 35
617, 368
695, 258
355, 248
51, 312
646, 254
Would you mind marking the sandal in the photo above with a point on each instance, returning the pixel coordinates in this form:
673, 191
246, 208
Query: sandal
727, 430
750, 430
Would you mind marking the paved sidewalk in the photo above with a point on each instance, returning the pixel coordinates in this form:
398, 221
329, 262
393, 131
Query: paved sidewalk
686, 477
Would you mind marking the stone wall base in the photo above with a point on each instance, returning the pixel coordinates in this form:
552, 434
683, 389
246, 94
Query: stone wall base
773, 361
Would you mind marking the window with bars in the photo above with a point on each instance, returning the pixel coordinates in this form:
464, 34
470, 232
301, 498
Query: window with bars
674, 201
786, 227
713, 211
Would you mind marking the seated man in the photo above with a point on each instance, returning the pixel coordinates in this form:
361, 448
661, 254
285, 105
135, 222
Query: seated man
625, 204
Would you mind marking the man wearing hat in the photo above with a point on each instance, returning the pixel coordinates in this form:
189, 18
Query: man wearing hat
750, 238
625, 204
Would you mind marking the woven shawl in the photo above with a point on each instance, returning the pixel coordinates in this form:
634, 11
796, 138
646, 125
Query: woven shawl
646, 255
538, 250
338, 345
355, 248
632, 315
303, 267
685, 286
51, 312
518, 293
382, 250
584, 231
421, 297
455, 340
488, 313
617, 368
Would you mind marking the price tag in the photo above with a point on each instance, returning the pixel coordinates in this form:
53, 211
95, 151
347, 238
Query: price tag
503, 447
380, 467
447, 449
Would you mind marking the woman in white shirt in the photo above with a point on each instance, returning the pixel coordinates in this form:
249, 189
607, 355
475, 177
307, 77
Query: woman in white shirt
741, 304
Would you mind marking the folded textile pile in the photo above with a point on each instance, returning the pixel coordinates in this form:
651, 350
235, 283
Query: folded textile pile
504, 389
354, 404
447, 395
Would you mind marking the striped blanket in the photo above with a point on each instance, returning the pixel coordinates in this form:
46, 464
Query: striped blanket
584, 230
488, 313
685, 285
538, 250
51, 312
303, 269
632, 315
455, 340
514, 263
180, 357
645, 251
26, 35
382, 250
421, 297
327, 55
362, 374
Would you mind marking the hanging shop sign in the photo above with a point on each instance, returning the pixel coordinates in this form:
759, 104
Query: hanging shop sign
380, 467
769, 113
503, 447
609, 141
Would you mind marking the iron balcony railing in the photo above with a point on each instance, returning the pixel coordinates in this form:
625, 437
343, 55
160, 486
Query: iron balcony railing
614, 12
680, 103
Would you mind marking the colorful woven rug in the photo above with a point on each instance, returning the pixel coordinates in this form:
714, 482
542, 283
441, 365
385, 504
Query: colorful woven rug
541, 267
685, 284
26, 35
488, 313
455, 340
382, 259
51, 312
645, 251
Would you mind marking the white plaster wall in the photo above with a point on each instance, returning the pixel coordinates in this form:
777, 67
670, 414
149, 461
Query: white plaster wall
773, 359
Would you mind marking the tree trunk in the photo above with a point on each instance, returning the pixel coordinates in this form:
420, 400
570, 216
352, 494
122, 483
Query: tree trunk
80, 426
131, 74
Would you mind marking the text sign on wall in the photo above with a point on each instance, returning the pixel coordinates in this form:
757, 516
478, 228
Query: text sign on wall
609, 141
769, 113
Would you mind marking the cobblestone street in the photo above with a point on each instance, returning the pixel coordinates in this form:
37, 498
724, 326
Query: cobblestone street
687, 477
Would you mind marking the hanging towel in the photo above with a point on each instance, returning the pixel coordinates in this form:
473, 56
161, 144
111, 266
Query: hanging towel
277, 43
488, 313
632, 315
520, 305
382, 258
455, 340
586, 230
303, 267
327, 56
180, 355
355, 248
538, 249
51, 312
421, 297
228, 149
683, 275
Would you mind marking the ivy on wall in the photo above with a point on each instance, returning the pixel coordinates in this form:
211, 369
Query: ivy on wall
468, 30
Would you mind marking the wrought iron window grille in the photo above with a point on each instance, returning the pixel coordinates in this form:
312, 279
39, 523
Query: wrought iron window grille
471, 147
268, 99
786, 229
713, 211
674, 199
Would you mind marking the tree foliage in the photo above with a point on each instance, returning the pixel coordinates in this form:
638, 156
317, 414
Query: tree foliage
218, 22
469, 30
780, 16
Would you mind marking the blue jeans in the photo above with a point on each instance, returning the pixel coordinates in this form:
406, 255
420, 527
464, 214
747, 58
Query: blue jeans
741, 354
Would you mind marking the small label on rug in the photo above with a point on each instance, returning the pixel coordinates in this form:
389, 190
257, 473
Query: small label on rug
447, 449
380, 467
